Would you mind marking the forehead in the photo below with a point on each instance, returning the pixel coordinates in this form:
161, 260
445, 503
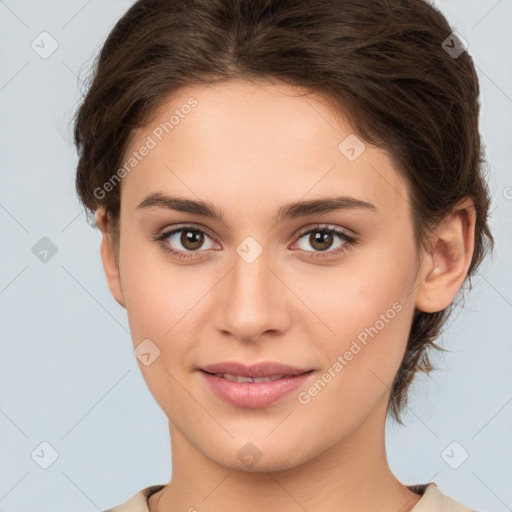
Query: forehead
257, 140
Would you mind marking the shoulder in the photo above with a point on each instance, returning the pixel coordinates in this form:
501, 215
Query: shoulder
138, 502
434, 500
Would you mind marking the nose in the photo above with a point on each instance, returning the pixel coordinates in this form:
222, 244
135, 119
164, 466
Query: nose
252, 301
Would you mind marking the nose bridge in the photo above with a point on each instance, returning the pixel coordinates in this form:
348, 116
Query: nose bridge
250, 272
250, 284
251, 301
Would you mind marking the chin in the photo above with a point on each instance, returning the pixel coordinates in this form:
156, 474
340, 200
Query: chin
264, 465
259, 457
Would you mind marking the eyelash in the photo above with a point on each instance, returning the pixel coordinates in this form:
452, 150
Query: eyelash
349, 241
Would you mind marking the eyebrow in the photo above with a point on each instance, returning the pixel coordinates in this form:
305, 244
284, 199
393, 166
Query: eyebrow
288, 211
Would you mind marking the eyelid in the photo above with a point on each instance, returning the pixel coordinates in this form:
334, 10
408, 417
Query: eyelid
169, 230
319, 226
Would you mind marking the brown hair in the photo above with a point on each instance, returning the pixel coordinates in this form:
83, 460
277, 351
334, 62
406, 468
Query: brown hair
381, 63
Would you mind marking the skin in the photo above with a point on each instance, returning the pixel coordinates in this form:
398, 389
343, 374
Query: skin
250, 147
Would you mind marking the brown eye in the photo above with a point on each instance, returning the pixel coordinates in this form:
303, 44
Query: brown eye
321, 240
185, 241
325, 241
191, 239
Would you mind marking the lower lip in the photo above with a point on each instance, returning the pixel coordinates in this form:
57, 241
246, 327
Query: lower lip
254, 394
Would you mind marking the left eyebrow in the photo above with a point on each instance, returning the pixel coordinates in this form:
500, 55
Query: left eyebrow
287, 211
323, 205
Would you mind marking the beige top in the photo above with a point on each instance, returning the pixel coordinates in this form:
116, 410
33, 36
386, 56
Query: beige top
432, 499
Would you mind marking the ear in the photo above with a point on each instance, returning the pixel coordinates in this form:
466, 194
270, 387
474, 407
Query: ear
446, 263
109, 257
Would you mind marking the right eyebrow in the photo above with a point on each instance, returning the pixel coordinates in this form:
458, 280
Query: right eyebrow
181, 205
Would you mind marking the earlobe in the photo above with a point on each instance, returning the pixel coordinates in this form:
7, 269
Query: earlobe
108, 258
446, 265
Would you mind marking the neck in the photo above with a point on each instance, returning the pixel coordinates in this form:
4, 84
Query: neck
353, 475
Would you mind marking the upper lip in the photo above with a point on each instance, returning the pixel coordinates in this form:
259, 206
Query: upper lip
264, 369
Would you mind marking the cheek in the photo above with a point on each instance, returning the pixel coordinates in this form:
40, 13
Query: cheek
361, 358
368, 309
163, 304
159, 306
155, 291
150, 312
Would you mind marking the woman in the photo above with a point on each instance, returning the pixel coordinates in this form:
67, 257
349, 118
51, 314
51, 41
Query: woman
291, 197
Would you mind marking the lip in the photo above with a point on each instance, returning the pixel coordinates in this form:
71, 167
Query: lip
254, 394
264, 369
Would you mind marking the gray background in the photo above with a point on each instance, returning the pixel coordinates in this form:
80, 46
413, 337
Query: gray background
68, 376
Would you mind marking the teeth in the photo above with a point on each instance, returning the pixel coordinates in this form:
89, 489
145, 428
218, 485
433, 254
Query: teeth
240, 378
268, 379
236, 378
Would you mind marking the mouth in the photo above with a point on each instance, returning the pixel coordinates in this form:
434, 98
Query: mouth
243, 378
254, 370
253, 386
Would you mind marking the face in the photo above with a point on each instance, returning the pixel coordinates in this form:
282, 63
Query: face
329, 291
